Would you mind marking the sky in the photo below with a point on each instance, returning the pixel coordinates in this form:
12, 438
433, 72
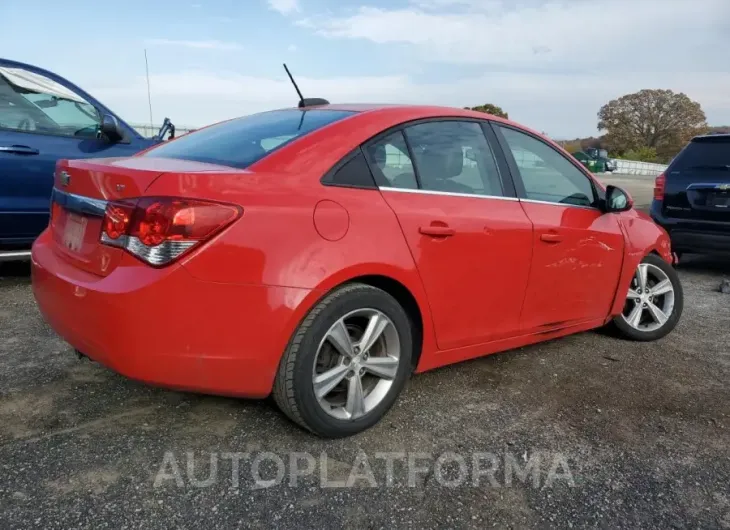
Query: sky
550, 63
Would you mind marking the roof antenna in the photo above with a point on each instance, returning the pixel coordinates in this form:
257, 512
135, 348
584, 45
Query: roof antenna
310, 102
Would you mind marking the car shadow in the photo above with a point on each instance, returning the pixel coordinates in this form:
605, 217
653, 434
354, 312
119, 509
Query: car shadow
704, 263
15, 269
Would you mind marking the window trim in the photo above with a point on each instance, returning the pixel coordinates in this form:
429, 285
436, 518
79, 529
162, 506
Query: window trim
450, 194
506, 179
517, 176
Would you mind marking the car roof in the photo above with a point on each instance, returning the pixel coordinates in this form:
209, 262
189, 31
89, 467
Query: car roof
426, 110
413, 111
711, 137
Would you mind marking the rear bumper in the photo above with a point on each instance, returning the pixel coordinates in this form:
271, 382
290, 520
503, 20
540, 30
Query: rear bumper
689, 235
164, 327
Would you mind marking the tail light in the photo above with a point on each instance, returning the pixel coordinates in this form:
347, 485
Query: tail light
55, 211
659, 187
159, 230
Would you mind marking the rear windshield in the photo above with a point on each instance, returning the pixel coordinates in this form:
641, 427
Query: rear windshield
708, 153
241, 142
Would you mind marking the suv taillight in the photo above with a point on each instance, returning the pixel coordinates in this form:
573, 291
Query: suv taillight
159, 230
659, 187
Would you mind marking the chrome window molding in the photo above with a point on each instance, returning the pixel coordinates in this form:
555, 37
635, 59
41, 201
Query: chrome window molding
449, 193
477, 196
561, 204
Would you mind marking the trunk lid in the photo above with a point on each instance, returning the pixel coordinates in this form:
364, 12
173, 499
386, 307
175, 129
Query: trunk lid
697, 182
82, 189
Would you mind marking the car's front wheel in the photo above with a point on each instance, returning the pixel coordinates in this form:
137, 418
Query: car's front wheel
654, 301
347, 362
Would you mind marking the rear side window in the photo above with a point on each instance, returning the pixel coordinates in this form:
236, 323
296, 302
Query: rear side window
241, 142
705, 153
390, 163
454, 156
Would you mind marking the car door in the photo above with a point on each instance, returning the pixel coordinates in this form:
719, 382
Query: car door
469, 237
44, 118
578, 250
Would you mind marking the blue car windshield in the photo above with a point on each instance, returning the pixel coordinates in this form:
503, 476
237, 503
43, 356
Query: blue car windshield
241, 142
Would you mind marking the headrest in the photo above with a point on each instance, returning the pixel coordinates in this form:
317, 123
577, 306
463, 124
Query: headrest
442, 164
454, 162
379, 154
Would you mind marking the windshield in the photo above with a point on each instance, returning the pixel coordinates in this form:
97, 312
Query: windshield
241, 142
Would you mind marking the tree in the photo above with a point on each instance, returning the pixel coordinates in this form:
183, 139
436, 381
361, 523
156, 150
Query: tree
488, 108
659, 119
642, 154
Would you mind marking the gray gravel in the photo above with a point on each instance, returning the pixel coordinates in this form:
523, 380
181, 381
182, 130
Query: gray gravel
644, 430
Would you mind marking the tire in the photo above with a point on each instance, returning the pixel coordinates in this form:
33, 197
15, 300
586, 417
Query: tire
313, 343
650, 328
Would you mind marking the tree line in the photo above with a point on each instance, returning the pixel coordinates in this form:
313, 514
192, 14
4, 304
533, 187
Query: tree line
648, 125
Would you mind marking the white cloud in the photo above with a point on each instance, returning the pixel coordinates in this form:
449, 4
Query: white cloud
551, 64
285, 7
196, 44
541, 34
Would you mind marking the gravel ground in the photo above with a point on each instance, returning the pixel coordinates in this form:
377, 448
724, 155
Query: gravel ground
618, 434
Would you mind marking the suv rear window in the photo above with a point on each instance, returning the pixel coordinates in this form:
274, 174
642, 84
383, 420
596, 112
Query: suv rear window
709, 152
241, 142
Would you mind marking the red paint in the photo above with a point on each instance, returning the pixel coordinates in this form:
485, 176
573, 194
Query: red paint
475, 280
576, 261
487, 274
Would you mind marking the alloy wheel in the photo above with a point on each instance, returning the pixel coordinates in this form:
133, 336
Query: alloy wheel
650, 300
356, 364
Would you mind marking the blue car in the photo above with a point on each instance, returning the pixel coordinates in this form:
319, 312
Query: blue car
44, 118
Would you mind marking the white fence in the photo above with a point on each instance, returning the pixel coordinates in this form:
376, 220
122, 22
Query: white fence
631, 167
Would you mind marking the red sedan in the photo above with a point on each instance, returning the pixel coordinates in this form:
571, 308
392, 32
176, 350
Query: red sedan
323, 254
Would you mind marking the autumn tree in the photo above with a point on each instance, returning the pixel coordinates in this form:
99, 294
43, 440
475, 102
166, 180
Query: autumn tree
659, 119
488, 108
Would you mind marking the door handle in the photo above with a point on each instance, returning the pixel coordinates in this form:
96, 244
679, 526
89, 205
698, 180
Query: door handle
18, 149
437, 231
550, 237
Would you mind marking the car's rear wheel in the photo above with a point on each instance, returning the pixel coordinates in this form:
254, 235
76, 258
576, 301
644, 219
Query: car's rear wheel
347, 362
654, 301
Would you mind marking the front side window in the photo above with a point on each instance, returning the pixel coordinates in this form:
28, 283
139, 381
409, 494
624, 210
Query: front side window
454, 157
546, 174
30, 102
241, 142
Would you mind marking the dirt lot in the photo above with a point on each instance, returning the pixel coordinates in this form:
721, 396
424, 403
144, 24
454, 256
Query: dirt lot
630, 435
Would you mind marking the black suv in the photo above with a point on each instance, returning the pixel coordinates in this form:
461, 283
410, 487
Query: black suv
692, 197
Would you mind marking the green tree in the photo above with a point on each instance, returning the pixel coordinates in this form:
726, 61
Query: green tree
659, 119
488, 108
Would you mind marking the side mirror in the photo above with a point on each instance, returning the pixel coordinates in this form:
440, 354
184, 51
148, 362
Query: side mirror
111, 129
617, 200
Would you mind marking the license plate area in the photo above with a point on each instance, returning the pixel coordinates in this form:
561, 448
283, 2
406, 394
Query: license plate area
719, 200
74, 232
